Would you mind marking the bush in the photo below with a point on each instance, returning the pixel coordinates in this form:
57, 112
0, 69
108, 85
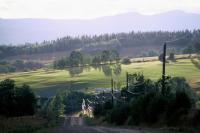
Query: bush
98, 110
102, 109
152, 107
156, 108
126, 61
195, 120
196, 63
177, 108
119, 114
148, 108
171, 57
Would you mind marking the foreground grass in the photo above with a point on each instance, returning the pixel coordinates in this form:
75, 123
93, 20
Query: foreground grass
26, 124
47, 82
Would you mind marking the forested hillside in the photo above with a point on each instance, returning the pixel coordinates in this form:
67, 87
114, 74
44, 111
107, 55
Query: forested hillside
127, 44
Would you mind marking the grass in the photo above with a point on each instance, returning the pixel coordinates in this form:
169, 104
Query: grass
25, 124
47, 82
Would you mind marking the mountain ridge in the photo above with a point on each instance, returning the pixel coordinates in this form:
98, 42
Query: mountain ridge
18, 31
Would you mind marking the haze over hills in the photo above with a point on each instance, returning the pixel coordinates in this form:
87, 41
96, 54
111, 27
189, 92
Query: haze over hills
18, 31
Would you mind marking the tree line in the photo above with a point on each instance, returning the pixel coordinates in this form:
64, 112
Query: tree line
193, 48
105, 41
77, 58
18, 65
78, 61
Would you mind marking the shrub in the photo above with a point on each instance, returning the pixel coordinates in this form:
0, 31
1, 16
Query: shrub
119, 114
156, 108
98, 110
171, 57
148, 108
177, 108
126, 61
194, 121
196, 63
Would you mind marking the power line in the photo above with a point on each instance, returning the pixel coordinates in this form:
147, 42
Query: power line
134, 93
116, 98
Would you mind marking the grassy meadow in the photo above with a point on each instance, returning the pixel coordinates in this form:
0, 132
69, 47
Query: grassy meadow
47, 82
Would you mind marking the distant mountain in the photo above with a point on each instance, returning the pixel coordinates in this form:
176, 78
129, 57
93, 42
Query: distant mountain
31, 30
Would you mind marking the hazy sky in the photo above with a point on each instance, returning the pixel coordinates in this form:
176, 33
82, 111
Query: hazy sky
67, 9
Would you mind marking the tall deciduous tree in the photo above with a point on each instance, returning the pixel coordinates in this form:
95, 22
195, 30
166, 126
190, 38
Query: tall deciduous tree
76, 58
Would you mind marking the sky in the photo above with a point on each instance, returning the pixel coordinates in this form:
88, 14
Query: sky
88, 9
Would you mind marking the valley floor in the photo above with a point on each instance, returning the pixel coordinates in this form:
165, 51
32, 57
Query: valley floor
46, 82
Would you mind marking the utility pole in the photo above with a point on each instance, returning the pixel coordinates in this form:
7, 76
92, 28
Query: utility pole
127, 80
70, 90
164, 61
103, 94
112, 91
163, 68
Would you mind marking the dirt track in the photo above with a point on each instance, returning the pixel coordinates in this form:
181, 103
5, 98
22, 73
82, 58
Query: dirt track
77, 125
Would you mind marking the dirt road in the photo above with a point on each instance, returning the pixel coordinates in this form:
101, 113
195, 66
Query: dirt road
77, 125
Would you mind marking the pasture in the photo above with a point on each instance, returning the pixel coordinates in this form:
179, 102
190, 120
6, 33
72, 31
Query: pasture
46, 82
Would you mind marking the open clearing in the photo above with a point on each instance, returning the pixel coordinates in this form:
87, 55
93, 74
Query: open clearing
47, 82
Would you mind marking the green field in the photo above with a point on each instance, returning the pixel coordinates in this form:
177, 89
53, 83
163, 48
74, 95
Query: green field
47, 82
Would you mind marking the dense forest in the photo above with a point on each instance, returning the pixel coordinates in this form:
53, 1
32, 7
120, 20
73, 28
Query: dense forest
133, 43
